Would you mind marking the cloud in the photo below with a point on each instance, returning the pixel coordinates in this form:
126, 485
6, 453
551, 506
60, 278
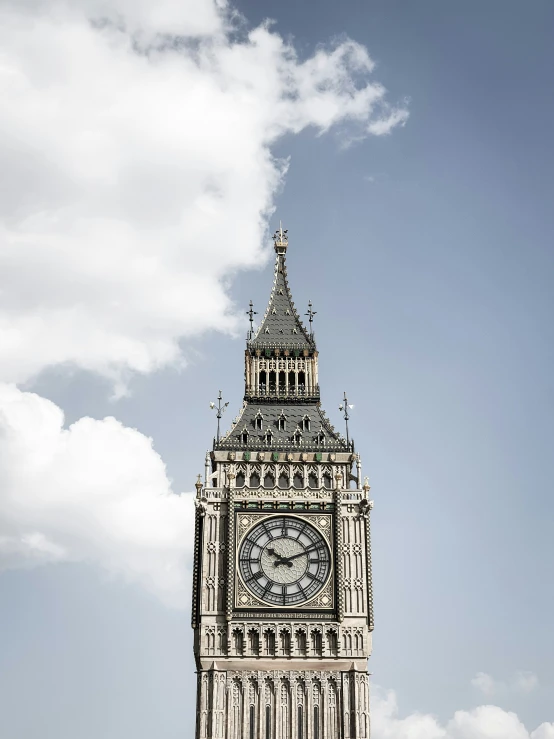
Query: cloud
137, 170
484, 722
485, 683
522, 682
95, 492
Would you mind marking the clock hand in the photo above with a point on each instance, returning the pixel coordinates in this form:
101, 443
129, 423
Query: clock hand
301, 554
281, 560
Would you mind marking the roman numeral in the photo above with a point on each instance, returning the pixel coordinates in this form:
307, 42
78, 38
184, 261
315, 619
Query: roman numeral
255, 576
312, 576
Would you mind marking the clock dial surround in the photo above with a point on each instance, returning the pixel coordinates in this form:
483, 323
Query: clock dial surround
284, 561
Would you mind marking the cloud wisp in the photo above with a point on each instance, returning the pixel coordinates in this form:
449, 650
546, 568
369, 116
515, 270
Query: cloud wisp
522, 682
138, 174
483, 722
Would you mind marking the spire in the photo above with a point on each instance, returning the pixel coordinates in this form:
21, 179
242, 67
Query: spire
281, 325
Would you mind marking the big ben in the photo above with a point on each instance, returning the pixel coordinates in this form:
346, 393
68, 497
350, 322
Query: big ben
282, 606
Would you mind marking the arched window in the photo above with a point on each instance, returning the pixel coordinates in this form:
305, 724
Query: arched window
254, 480
285, 642
282, 422
300, 722
244, 436
240, 479
292, 383
332, 643
282, 383
321, 438
316, 722
269, 480
301, 642
301, 383
272, 382
263, 382
306, 423
283, 480
312, 480
237, 641
268, 436
316, 643
258, 421
297, 436
297, 480
327, 481
269, 643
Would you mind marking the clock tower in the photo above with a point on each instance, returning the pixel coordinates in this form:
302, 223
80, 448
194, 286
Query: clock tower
282, 606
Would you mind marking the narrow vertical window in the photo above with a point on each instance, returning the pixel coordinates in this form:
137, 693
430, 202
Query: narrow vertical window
300, 722
316, 722
252, 719
268, 722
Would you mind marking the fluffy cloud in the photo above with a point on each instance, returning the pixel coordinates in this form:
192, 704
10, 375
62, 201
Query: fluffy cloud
137, 173
522, 682
95, 492
484, 722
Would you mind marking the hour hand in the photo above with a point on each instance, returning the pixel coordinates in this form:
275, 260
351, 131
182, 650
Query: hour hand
280, 559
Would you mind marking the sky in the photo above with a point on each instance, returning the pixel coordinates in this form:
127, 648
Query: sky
147, 153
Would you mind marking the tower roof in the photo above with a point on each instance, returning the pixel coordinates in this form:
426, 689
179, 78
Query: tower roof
281, 325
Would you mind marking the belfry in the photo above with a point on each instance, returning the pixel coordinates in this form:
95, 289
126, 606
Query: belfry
282, 606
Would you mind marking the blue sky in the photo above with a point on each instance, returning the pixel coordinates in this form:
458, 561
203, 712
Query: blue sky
427, 252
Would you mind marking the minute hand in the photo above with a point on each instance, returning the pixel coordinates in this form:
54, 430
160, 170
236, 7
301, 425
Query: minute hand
301, 554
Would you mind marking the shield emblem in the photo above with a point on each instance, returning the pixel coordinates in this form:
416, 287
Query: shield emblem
246, 456
275, 456
318, 456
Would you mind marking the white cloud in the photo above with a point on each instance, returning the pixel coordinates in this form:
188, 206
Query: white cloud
137, 173
485, 683
484, 722
522, 682
95, 492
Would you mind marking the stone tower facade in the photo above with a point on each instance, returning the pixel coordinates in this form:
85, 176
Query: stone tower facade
282, 606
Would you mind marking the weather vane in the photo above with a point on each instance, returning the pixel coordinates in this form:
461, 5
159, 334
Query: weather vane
344, 407
251, 313
220, 410
311, 313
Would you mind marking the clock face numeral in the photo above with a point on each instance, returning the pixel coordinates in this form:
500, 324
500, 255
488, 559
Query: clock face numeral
284, 561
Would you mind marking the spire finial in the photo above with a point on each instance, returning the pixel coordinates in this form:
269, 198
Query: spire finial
311, 313
281, 239
251, 313
220, 410
344, 406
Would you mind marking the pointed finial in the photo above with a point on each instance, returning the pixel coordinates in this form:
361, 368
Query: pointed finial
311, 313
251, 313
280, 239
345, 406
220, 408
198, 484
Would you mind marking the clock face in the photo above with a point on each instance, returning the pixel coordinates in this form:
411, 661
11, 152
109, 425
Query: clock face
284, 561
